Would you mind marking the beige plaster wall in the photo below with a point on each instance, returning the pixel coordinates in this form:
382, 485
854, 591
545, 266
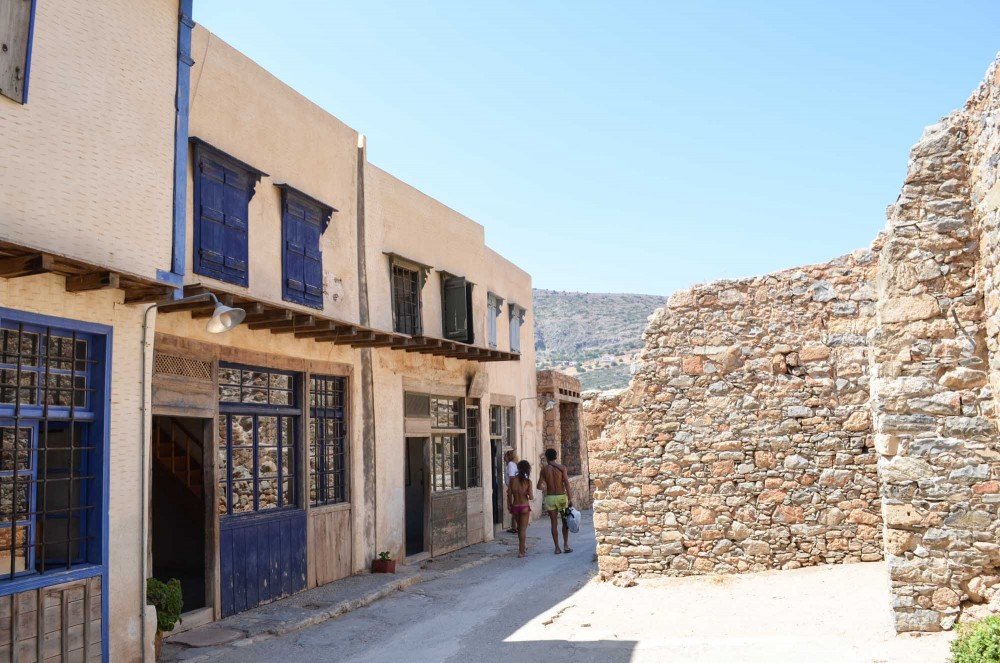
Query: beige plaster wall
242, 109
87, 163
45, 294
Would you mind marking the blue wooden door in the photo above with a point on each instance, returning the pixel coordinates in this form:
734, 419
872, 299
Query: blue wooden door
262, 526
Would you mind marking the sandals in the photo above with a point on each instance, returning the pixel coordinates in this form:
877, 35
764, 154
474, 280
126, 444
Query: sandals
511, 530
567, 550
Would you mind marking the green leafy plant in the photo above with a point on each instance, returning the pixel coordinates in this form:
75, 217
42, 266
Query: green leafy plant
977, 642
385, 556
166, 598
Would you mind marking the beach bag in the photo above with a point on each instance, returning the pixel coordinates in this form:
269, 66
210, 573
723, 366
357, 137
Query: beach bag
573, 519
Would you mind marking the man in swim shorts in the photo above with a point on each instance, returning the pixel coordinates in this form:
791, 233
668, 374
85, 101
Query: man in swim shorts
554, 480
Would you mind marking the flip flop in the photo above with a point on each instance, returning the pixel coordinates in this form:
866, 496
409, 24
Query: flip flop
568, 550
558, 552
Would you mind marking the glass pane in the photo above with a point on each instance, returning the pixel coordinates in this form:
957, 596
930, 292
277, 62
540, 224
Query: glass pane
281, 381
254, 395
229, 394
7, 450
242, 496
267, 431
8, 380
267, 461
29, 350
243, 463
222, 503
7, 493
229, 375
20, 551
268, 495
242, 430
287, 464
223, 463
281, 397
288, 492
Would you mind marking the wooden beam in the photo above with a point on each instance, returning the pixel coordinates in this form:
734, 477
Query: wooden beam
145, 295
206, 309
347, 337
298, 322
27, 265
334, 329
91, 281
277, 321
269, 316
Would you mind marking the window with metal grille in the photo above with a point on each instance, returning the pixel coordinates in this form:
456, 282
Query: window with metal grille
502, 425
472, 444
53, 391
327, 440
406, 300
258, 417
449, 462
446, 412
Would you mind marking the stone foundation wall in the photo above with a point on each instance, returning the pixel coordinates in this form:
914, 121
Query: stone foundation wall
743, 442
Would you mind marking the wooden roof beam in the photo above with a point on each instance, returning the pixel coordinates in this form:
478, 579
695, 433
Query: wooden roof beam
26, 265
92, 281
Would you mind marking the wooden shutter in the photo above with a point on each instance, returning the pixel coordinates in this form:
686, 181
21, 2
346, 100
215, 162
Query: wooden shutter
222, 201
15, 35
456, 312
302, 226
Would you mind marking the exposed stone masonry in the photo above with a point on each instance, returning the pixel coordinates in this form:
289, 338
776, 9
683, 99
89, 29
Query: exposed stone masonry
777, 421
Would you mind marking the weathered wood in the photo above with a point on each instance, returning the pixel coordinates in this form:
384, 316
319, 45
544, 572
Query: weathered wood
330, 544
92, 281
26, 265
298, 322
15, 18
449, 522
271, 319
334, 329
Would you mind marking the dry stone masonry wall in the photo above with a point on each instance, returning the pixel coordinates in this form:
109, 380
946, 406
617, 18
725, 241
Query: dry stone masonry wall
778, 421
744, 443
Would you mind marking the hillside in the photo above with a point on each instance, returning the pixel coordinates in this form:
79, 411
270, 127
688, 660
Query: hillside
591, 335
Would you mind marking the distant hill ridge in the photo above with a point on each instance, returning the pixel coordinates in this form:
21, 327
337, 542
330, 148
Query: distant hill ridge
592, 334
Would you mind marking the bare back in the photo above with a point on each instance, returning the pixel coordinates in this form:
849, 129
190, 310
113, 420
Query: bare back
520, 491
552, 476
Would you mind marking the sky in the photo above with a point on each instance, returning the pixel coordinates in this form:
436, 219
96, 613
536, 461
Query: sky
635, 146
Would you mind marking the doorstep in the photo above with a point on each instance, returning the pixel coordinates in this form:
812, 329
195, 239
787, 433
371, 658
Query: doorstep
320, 604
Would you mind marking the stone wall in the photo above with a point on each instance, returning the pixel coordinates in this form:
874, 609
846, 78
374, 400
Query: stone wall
934, 359
563, 430
743, 441
748, 439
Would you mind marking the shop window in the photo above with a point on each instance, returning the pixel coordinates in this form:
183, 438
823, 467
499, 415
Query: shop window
327, 440
53, 401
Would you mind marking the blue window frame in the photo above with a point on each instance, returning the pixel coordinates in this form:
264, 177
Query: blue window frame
17, 35
54, 377
303, 222
258, 431
327, 439
223, 187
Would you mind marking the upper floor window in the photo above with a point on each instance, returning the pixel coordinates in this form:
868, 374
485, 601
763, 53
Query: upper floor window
17, 18
494, 304
223, 187
456, 308
407, 279
516, 320
303, 221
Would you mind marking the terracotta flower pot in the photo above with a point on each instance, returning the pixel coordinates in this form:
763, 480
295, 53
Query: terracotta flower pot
383, 566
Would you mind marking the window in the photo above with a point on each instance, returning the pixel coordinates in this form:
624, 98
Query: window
406, 285
456, 308
447, 443
502, 426
16, 27
223, 187
53, 396
493, 305
303, 221
516, 320
327, 440
257, 422
446, 413
472, 444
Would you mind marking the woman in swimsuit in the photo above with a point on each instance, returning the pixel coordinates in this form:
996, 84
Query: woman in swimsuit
519, 498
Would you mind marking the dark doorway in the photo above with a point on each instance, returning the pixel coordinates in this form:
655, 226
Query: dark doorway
177, 537
416, 495
496, 458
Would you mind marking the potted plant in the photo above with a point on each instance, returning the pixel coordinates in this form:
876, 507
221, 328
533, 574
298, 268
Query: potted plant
166, 598
384, 564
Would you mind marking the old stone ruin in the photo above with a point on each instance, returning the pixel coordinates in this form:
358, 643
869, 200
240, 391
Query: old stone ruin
836, 413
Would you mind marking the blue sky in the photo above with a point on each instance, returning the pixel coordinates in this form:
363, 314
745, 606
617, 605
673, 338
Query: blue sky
636, 146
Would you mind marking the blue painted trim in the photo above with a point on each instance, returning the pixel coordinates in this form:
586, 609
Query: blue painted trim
170, 278
182, 100
27, 53
54, 321
56, 578
106, 500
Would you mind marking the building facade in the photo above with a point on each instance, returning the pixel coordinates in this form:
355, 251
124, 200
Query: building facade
385, 364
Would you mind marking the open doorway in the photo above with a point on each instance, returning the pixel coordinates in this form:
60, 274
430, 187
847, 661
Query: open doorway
497, 465
417, 495
177, 526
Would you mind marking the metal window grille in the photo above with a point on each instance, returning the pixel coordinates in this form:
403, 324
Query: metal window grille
472, 445
50, 487
257, 440
446, 413
406, 299
448, 462
327, 440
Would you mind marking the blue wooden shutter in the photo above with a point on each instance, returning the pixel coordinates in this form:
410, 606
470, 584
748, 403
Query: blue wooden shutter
302, 257
222, 198
211, 219
235, 206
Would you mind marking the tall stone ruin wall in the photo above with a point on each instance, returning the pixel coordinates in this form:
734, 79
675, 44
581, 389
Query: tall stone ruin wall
779, 421
743, 442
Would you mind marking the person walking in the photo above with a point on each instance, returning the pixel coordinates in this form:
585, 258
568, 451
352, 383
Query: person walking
519, 498
510, 471
555, 479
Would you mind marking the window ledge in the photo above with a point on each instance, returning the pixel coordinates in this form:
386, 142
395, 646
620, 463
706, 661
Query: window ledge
37, 581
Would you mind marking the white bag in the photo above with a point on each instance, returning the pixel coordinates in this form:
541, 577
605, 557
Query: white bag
573, 519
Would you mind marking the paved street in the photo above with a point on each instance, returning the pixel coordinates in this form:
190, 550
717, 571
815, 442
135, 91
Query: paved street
543, 608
